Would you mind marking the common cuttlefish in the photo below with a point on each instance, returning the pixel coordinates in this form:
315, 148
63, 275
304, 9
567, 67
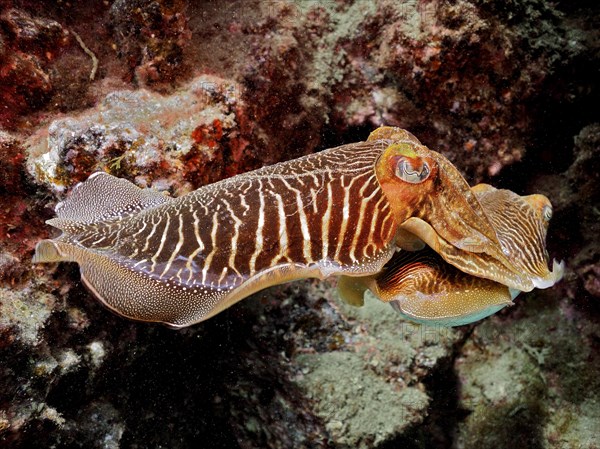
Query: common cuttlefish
386, 215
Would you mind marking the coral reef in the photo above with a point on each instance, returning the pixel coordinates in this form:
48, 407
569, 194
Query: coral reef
177, 142
186, 93
349, 369
150, 36
462, 75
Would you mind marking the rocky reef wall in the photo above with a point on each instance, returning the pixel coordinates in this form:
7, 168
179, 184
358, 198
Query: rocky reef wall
175, 94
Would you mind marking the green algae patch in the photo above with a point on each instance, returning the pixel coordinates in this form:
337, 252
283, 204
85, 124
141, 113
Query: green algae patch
534, 374
370, 391
394, 346
26, 310
359, 408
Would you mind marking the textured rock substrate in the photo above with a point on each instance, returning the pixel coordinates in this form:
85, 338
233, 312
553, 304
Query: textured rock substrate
188, 93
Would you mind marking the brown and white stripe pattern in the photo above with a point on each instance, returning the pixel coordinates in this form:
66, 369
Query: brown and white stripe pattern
325, 211
521, 232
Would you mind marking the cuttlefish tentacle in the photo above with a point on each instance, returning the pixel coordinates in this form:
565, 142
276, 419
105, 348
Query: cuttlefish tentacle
179, 261
424, 287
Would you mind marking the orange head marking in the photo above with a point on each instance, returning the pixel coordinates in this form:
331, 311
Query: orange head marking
406, 173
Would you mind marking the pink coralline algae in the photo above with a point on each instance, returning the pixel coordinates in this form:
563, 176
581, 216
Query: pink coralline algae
176, 143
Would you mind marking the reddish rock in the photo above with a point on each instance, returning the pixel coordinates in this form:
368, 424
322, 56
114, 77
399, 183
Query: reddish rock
151, 36
178, 142
27, 47
21, 216
455, 73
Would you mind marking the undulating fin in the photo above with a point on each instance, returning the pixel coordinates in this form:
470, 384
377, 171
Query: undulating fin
47, 251
137, 296
352, 290
422, 287
103, 197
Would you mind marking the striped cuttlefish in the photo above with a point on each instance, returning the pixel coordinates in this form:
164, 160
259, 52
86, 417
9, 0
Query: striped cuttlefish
386, 215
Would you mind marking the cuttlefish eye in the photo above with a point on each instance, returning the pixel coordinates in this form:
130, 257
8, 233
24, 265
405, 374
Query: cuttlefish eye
547, 212
413, 171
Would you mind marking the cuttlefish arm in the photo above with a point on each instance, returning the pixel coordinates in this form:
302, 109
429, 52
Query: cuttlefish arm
423, 287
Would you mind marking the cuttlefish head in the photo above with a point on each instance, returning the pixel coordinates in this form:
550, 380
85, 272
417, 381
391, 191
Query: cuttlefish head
521, 224
433, 204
